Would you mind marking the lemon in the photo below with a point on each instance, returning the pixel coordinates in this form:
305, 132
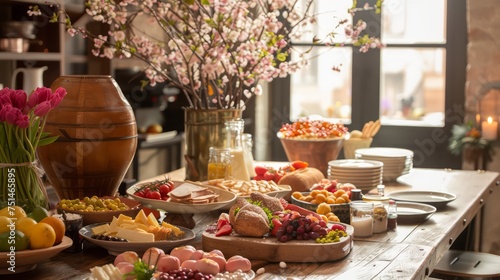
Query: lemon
25, 224
13, 212
41, 236
4, 224
20, 241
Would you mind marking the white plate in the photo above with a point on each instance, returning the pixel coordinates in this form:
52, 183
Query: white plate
385, 152
27, 260
411, 212
224, 199
355, 164
356, 172
115, 247
436, 199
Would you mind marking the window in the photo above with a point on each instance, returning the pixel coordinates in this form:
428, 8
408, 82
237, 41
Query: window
414, 85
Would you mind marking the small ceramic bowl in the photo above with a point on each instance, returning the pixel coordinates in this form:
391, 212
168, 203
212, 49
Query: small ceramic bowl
106, 216
341, 210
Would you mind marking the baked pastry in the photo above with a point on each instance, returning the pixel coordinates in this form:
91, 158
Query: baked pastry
301, 180
249, 220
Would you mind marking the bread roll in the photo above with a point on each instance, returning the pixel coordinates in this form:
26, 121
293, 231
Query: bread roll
250, 220
302, 180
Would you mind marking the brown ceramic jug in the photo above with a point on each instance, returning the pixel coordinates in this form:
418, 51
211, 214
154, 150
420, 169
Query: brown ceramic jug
97, 138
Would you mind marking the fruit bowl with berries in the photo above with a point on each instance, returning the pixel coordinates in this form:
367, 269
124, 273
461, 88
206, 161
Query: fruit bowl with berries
314, 141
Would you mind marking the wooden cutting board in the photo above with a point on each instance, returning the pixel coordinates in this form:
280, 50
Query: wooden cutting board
270, 249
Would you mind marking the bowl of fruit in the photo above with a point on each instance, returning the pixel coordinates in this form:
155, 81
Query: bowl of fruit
27, 239
337, 196
99, 209
314, 141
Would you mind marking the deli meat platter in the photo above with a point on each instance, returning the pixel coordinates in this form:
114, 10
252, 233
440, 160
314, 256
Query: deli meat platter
270, 249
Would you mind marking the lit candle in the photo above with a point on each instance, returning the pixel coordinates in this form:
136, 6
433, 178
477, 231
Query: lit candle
489, 129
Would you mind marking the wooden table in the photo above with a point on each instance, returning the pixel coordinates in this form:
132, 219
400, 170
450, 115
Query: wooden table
409, 252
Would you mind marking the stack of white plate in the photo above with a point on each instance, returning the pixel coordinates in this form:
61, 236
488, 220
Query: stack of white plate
396, 161
364, 174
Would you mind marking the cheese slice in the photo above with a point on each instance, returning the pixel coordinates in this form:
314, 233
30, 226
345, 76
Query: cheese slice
100, 229
152, 220
113, 225
135, 235
141, 218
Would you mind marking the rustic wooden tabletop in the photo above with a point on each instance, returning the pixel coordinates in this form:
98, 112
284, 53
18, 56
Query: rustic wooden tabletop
409, 252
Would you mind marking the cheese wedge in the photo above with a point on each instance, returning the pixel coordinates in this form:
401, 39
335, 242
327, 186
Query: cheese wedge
135, 235
152, 220
100, 229
141, 218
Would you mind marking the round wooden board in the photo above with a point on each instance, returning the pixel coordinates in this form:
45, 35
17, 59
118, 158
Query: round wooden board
270, 249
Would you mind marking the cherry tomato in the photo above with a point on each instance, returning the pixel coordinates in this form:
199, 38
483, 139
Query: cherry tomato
153, 195
170, 184
164, 189
139, 193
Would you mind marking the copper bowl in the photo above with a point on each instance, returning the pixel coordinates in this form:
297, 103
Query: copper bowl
316, 152
15, 45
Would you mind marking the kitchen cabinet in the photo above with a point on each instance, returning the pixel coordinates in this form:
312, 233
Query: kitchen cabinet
53, 46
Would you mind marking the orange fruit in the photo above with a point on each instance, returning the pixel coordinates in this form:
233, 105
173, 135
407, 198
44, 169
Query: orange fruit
25, 224
58, 226
41, 236
339, 193
339, 200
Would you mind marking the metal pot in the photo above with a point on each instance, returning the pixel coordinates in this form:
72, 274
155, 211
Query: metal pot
16, 45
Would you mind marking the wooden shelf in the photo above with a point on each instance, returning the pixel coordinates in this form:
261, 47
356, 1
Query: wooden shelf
31, 56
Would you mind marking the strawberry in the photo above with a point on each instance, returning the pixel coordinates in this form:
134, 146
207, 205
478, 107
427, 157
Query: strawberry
276, 226
269, 175
223, 220
277, 177
258, 177
337, 227
260, 170
224, 230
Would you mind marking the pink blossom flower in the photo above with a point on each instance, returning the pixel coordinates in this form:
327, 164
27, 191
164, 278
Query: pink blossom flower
233, 44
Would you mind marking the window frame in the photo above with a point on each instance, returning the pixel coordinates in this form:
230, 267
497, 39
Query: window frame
428, 143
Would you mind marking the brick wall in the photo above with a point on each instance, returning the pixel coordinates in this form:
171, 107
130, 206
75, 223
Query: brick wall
483, 56
483, 70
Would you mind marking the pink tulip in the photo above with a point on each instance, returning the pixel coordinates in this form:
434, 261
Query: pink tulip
23, 121
42, 109
18, 98
5, 97
12, 115
38, 96
3, 111
57, 96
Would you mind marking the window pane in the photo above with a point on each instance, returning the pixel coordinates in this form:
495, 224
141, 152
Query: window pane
413, 21
329, 13
319, 90
412, 86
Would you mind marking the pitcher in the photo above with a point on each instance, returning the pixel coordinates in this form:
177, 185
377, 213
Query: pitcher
32, 78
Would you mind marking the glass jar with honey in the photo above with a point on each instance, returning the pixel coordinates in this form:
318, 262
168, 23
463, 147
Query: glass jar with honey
219, 163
